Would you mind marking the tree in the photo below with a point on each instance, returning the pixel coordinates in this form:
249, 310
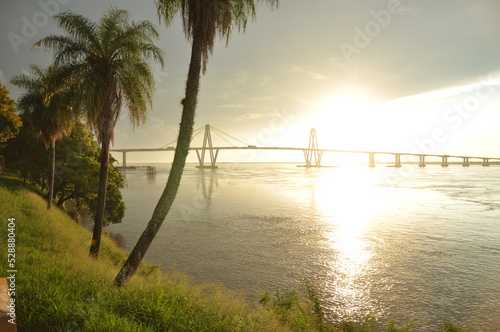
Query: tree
10, 122
25, 152
50, 107
77, 169
107, 60
202, 22
78, 174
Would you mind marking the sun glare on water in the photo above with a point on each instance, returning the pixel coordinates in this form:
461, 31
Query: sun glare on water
350, 199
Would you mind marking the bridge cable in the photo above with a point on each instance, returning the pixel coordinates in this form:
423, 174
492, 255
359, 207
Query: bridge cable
236, 139
161, 147
194, 132
225, 139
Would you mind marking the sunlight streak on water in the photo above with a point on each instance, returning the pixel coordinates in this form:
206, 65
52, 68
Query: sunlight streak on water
347, 200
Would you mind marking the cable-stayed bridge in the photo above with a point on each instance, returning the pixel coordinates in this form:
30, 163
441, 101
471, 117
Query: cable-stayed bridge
312, 153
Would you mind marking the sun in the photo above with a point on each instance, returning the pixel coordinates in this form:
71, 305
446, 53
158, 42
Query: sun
346, 121
352, 119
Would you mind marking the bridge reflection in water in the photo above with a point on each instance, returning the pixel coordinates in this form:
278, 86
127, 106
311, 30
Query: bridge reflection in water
312, 154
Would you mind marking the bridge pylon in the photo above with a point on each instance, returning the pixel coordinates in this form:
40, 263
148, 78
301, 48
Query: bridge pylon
207, 145
312, 154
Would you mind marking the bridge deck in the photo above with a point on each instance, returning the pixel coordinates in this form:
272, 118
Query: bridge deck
312, 153
301, 149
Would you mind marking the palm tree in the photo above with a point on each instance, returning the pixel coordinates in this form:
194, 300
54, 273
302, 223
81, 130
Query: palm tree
50, 108
108, 61
203, 21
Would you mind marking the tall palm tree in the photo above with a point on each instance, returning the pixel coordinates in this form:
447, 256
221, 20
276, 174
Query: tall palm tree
50, 107
108, 61
203, 21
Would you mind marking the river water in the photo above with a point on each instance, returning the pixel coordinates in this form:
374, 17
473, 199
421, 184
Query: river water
409, 243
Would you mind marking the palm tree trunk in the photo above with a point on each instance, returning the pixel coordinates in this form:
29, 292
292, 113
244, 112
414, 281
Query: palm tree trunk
101, 197
52, 173
167, 197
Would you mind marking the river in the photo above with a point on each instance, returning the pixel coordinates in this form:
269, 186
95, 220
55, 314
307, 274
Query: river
409, 243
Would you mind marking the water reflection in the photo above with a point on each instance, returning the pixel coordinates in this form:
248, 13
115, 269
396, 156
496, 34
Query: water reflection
124, 176
151, 177
347, 199
207, 184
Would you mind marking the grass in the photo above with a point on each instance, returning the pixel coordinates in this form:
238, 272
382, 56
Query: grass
59, 288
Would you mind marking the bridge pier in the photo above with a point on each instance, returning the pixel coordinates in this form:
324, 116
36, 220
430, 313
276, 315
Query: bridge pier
207, 145
486, 162
444, 162
312, 155
398, 160
466, 162
422, 161
372, 160
213, 158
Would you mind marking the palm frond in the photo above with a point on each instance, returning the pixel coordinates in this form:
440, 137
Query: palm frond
105, 64
47, 103
208, 19
167, 10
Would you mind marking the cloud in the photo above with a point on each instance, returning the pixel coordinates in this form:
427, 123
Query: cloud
250, 116
409, 7
264, 80
232, 105
264, 98
231, 77
2, 78
301, 100
223, 95
492, 80
336, 61
153, 134
159, 73
313, 74
223, 83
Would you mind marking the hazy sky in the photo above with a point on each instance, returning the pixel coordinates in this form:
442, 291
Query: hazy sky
409, 75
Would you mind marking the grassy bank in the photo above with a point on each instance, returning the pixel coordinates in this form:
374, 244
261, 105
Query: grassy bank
59, 288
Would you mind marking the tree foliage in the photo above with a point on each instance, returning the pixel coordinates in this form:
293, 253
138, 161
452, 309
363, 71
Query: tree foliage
106, 63
78, 176
49, 103
52, 106
26, 153
10, 122
207, 20
77, 169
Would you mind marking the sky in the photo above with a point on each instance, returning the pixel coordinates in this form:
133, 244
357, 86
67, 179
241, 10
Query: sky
416, 76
